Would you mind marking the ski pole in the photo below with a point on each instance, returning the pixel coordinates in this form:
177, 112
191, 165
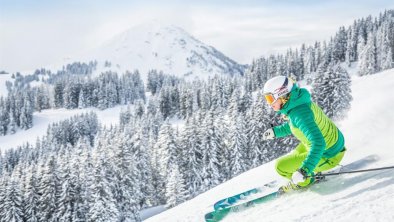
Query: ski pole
353, 171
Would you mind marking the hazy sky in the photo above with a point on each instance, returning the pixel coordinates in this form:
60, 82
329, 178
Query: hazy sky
35, 33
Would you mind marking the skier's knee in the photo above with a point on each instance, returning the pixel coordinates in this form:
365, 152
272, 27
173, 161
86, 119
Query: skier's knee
279, 168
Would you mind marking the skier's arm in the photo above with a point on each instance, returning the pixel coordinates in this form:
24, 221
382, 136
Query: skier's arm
282, 130
304, 120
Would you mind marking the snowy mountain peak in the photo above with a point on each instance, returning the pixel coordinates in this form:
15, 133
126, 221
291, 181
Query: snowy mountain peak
168, 48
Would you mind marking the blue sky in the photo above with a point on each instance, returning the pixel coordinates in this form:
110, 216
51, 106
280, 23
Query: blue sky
35, 33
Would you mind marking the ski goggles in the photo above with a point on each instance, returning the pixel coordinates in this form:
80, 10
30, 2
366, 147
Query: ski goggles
270, 98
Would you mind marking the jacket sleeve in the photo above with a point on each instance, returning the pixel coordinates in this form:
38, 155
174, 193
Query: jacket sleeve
303, 119
282, 130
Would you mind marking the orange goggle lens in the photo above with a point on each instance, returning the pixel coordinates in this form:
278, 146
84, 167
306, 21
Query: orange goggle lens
270, 98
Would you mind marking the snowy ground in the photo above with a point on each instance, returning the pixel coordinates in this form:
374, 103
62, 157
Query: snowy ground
369, 133
46, 117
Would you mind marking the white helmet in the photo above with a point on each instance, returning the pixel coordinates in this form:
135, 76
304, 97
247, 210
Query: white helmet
277, 87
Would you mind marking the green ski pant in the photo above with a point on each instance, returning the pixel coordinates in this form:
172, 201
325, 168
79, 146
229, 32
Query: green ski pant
290, 163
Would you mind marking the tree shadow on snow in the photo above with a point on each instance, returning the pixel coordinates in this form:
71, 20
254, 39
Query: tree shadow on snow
381, 184
335, 184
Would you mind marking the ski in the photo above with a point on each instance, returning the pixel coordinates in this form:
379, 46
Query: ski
229, 201
218, 215
238, 203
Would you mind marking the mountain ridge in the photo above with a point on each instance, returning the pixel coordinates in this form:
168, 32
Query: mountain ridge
166, 48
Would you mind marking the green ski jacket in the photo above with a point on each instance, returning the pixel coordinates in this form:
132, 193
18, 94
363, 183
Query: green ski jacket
310, 126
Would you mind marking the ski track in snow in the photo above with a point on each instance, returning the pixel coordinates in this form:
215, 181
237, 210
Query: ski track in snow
368, 130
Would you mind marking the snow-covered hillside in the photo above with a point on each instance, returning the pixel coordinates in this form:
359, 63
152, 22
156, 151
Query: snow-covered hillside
149, 46
162, 47
368, 130
42, 120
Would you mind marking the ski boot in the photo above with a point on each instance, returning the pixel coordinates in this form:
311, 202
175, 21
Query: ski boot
289, 187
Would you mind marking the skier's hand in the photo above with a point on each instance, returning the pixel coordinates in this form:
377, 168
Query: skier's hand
299, 176
269, 134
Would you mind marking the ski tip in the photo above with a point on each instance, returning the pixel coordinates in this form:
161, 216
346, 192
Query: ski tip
216, 206
209, 217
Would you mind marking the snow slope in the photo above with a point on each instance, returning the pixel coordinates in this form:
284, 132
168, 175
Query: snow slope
168, 48
41, 121
369, 134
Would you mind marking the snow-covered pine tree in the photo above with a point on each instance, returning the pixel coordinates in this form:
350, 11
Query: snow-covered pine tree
58, 95
318, 55
192, 157
157, 197
83, 98
102, 205
246, 101
196, 100
309, 60
139, 108
217, 93
354, 41
48, 188
222, 128
249, 75
39, 99
12, 209
300, 62
129, 88
235, 101
174, 99
237, 146
127, 191
384, 49
328, 49
226, 89
26, 116
186, 102
367, 57
176, 191
67, 95
350, 47
68, 192
3, 185
339, 45
256, 121
4, 118
102, 102
152, 81
85, 160
211, 146
205, 97
111, 92
31, 196
143, 166
265, 118
1, 164
331, 90
166, 148
165, 102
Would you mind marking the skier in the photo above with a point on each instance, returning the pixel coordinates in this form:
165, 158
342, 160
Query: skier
321, 144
